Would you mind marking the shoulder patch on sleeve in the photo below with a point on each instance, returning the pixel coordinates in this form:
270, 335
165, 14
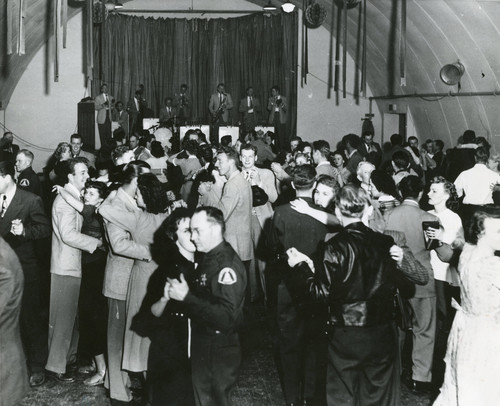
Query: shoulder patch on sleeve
227, 277
24, 182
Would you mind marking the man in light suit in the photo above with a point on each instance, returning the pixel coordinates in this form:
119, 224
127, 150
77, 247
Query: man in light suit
22, 223
250, 109
66, 272
104, 104
261, 214
219, 107
120, 117
77, 151
278, 116
123, 251
408, 218
235, 202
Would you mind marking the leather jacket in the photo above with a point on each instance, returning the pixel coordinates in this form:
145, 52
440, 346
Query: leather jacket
357, 279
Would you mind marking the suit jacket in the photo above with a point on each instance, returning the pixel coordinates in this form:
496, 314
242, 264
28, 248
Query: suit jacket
67, 240
214, 104
250, 119
102, 109
352, 164
268, 183
123, 250
236, 204
165, 115
283, 109
13, 372
408, 218
375, 157
135, 115
27, 207
89, 156
183, 105
121, 117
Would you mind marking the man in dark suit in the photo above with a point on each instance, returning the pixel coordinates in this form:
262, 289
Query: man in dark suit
135, 110
182, 101
22, 222
351, 144
120, 116
370, 150
292, 229
250, 109
278, 116
8, 150
27, 179
13, 374
168, 112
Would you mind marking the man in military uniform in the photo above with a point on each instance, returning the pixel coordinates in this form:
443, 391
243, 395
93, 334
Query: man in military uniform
27, 178
215, 306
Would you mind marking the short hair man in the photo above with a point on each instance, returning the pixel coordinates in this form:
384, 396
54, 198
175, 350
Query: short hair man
320, 156
22, 223
356, 278
27, 178
351, 144
277, 105
8, 150
261, 212
216, 309
76, 143
477, 183
235, 202
292, 229
408, 218
370, 149
168, 111
66, 271
250, 110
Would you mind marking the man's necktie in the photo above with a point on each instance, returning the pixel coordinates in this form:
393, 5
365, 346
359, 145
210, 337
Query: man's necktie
4, 206
251, 103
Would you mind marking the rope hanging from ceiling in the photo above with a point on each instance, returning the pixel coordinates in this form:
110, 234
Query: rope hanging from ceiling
16, 11
402, 45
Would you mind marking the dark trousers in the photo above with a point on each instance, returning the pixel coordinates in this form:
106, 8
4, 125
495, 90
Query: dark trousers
93, 309
33, 328
362, 366
281, 136
300, 350
105, 137
215, 362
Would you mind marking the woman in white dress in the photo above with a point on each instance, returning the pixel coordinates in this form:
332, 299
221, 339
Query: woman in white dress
473, 354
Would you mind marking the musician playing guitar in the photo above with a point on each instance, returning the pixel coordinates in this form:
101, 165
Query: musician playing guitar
219, 106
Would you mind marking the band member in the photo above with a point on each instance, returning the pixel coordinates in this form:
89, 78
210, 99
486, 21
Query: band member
250, 109
104, 103
168, 112
135, 110
182, 101
278, 116
219, 106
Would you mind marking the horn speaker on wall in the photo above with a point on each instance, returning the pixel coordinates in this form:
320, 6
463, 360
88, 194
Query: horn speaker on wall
452, 73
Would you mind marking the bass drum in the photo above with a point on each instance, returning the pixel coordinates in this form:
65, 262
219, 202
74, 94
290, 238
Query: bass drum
164, 136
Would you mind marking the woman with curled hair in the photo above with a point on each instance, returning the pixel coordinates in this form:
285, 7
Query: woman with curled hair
141, 225
57, 166
164, 321
473, 353
443, 197
384, 192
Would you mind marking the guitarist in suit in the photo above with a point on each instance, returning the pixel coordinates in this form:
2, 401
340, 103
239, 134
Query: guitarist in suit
22, 222
219, 106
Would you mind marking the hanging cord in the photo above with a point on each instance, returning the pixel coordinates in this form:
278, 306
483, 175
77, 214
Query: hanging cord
363, 62
402, 45
344, 53
330, 53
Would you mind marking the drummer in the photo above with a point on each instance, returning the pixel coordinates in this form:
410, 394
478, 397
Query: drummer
168, 113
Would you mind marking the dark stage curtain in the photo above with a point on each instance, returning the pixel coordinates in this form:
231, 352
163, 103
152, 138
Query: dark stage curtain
161, 54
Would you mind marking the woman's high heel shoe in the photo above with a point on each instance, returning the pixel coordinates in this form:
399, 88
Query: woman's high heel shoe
96, 379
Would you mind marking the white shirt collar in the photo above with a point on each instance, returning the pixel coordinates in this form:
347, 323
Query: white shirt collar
10, 195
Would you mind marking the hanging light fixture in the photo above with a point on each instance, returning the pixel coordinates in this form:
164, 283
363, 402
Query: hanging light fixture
269, 7
288, 6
